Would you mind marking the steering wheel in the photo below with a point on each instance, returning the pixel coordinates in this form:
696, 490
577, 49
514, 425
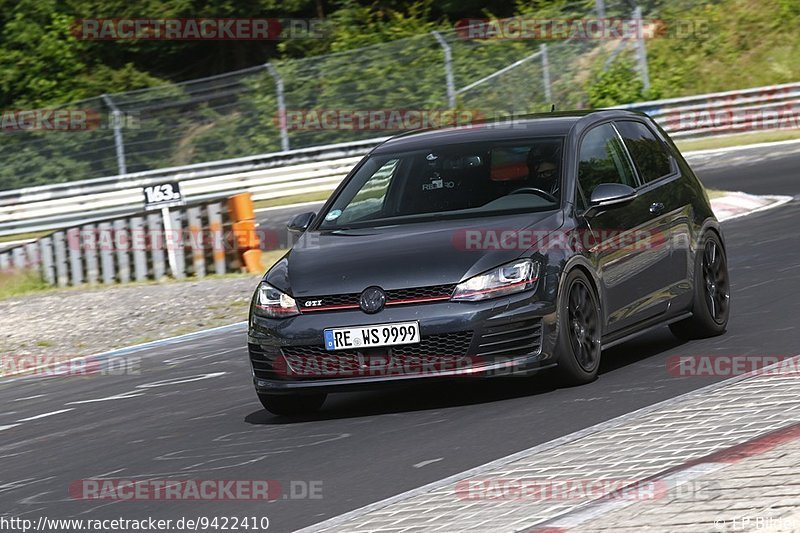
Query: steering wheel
533, 190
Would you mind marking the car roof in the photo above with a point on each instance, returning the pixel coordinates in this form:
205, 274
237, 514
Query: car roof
520, 127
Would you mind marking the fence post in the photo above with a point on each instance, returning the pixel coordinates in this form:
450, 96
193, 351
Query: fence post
195, 222
156, 244
138, 246
89, 241
215, 234
600, 7
548, 95
74, 245
60, 249
281, 105
46, 247
122, 244
116, 118
448, 69
641, 50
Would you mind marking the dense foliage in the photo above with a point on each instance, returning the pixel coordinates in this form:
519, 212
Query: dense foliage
729, 44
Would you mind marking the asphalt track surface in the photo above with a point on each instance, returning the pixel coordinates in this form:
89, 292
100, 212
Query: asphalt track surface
190, 413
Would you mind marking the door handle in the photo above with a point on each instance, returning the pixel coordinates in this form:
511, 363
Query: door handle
656, 208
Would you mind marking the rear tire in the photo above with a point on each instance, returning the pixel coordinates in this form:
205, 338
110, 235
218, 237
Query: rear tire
711, 305
292, 404
579, 330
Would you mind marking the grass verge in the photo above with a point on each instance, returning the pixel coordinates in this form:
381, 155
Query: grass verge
737, 139
19, 282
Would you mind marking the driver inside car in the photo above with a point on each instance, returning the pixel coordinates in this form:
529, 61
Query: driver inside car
543, 170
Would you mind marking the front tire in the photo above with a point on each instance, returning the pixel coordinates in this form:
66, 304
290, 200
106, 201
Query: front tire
579, 330
711, 306
292, 404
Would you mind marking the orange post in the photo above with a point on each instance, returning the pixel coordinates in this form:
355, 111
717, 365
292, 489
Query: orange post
243, 221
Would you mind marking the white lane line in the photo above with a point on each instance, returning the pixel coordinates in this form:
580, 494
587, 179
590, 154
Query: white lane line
44, 415
29, 398
429, 461
3, 428
177, 381
120, 396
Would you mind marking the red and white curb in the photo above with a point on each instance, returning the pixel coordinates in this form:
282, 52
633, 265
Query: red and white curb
739, 204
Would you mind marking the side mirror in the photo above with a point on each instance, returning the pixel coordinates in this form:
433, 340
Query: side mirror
607, 195
300, 223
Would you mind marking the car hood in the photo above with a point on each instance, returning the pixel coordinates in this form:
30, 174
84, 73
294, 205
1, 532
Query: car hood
404, 256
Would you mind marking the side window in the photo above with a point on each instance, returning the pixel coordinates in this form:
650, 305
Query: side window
369, 200
648, 153
602, 159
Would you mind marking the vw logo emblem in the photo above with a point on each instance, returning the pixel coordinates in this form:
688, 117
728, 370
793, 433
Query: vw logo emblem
372, 300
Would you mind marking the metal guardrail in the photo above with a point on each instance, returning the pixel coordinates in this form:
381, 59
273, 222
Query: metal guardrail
321, 168
756, 109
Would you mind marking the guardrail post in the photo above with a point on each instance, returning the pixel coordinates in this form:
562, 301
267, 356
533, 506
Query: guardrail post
32, 255
216, 237
138, 247
5, 261
18, 255
281, 105
195, 222
175, 243
74, 245
106, 240
122, 244
46, 248
156, 244
448, 69
60, 250
89, 243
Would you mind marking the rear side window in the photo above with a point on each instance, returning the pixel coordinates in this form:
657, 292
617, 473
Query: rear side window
603, 160
648, 153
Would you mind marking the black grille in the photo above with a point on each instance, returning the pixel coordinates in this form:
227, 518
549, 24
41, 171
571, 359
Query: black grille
512, 339
435, 291
263, 359
437, 352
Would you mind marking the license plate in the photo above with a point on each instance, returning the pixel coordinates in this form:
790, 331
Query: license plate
372, 336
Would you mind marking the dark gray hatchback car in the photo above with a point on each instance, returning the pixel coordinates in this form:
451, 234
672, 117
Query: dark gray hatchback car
489, 250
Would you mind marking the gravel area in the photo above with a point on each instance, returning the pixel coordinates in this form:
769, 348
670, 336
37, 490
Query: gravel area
92, 320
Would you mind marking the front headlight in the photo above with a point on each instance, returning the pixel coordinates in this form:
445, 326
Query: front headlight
517, 276
272, 303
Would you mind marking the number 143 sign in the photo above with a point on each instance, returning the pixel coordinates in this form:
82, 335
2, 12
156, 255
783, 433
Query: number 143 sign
161, 195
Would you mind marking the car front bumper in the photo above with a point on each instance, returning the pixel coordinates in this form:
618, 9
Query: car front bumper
513, 335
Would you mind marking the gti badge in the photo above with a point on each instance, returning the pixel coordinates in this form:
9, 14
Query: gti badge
372, 300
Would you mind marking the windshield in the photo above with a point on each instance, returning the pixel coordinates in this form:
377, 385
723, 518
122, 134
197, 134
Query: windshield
463, 180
